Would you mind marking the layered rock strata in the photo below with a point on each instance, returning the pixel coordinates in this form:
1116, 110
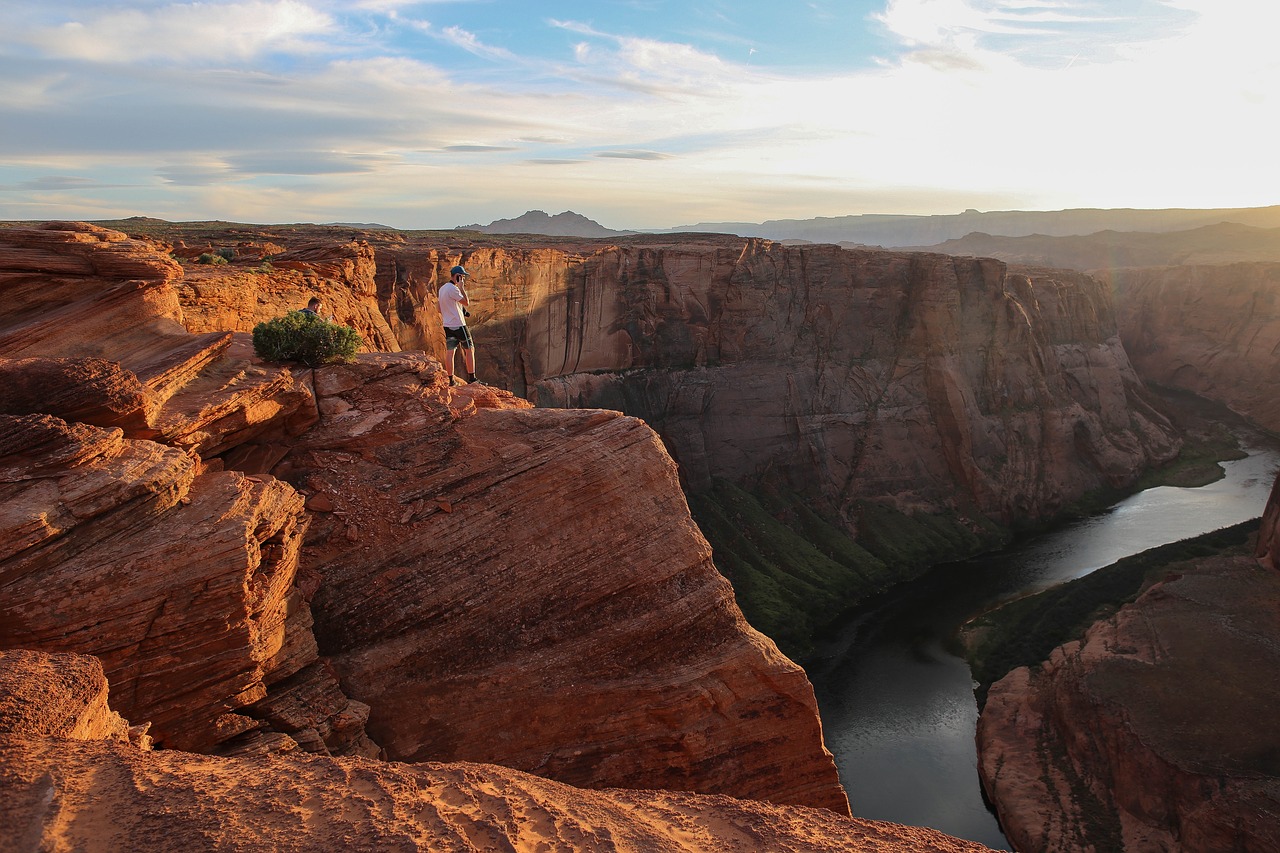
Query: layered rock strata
98, 793
1153, 733
180, 581
527, 587
238, 296
932, 382
489, 581
1211, 330
120, 536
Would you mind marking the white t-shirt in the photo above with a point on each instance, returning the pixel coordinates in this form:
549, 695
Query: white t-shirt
450, 311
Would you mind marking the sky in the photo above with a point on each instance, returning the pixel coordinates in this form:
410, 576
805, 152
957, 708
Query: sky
641, 114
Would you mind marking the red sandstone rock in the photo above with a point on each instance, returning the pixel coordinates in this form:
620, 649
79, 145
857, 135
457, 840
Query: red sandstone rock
562, 616
1156, 732
110, 797
601, 589
237, 297
1212, 330
90, 390
79, 341
55, 696
929, 381
99, 793
1268, 547
181, 583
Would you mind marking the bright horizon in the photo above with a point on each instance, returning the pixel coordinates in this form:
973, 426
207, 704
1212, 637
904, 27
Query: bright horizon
643, 114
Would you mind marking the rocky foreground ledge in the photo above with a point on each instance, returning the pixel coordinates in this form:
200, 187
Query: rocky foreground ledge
358, 563
70, 779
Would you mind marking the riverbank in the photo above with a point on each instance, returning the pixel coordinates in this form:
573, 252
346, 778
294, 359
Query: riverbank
895, 694
1023, 632
1132, 712
799, 577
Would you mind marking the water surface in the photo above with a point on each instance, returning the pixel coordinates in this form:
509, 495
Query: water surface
897, 705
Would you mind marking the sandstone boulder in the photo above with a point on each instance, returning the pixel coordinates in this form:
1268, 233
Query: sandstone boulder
180, 582
55, 696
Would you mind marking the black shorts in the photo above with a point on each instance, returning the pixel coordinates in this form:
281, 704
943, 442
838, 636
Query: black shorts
459, 337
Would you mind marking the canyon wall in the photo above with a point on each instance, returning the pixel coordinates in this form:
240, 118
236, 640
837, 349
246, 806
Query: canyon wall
920, 403
931, 382
264, 559
1211, 330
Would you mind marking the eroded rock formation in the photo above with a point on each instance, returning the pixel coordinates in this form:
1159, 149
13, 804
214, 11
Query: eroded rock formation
238, 297
1211, 330
489, 581
927, 381
1154, 732
526, 587
930, 382
84, 787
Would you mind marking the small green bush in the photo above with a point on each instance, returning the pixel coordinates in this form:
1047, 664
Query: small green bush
226, 253
298, 336
210, 258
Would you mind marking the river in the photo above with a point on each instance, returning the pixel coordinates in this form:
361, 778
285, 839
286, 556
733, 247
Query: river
897, 704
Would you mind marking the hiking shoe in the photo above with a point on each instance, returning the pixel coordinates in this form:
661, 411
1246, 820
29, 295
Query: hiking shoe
453, 381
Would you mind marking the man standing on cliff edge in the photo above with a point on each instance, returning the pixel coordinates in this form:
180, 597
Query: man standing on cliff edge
453, 312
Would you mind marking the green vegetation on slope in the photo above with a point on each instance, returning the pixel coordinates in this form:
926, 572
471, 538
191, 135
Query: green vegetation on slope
1023, 632
794, 574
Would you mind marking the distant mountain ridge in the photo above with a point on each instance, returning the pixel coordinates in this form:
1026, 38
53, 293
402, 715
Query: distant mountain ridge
1223, 243
566, 224
899, 231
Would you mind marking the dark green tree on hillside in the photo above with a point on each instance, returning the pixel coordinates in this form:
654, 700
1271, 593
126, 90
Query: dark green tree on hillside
298, 336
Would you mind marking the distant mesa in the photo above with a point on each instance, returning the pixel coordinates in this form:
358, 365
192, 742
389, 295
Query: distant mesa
911, 231
567, 224
363, 226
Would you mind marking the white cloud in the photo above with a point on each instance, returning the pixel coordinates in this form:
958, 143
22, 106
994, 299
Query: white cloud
982, 107
198, 32
470, 43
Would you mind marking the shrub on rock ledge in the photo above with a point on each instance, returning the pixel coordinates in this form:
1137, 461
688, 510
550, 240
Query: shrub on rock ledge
298, 336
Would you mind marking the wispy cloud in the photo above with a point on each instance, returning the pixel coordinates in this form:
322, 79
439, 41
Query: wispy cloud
470, 43
280, 110
632, 155
192, 32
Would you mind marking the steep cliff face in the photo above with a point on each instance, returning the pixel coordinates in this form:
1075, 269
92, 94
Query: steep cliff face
527, 587
487, 580
1154, 732
929, 381
1212, 330
69, 780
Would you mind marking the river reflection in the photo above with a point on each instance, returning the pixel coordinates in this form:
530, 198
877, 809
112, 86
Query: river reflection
897, 707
